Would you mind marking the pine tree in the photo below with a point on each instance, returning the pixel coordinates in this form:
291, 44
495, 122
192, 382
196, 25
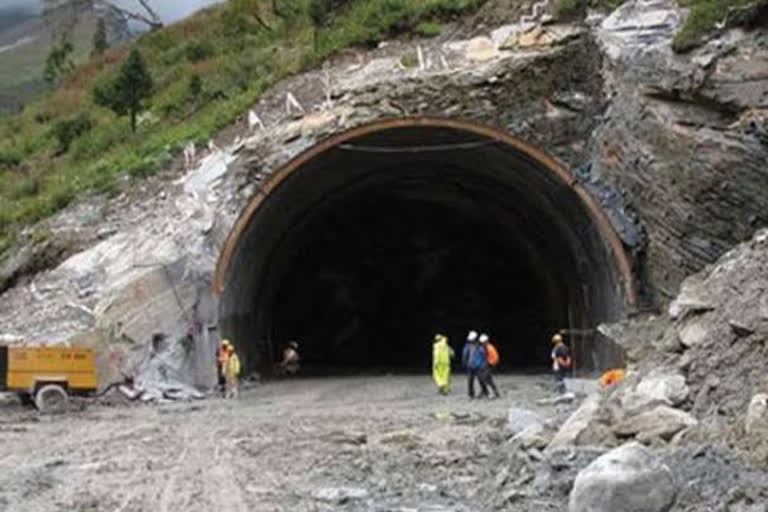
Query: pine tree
126, 92
100, 44
195, 87
59, 61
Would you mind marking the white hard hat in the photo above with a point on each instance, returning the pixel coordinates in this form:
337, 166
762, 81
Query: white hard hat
472, 336
483, 338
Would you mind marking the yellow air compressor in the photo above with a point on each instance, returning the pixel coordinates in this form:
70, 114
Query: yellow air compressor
47, 376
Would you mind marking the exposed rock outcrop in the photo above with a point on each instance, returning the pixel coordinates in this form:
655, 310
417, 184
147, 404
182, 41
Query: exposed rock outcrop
673, 133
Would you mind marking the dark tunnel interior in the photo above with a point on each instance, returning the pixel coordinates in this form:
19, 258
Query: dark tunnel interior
366, 251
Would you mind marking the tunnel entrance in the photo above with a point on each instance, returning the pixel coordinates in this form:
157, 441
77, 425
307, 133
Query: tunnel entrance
366, 245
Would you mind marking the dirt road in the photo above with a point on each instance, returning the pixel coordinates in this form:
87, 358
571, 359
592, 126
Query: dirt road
379, 443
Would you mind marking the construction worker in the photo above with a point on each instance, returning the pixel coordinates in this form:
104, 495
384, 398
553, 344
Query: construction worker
232, 373
290, 363
561, 362
473, 358
491, 359
442, 353
222, 355
611, 377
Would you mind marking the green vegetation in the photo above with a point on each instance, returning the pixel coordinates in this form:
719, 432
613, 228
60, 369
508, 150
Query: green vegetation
125, 93
409, 60
575, 8
206, 71
429, 29
67, 130
59, 62
703, 18
100, 43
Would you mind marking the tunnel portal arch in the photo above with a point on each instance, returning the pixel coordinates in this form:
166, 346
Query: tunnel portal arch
366, 243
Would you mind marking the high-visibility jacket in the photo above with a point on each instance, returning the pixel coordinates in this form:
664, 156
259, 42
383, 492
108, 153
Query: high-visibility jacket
441, 363
232, 367
611, 377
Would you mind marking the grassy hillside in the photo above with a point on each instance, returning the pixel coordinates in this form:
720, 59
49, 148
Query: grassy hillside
237, 53
237, 50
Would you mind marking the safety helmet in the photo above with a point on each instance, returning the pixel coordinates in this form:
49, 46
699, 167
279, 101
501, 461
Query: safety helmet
226, 343
483, 338
557, 338
293, 344
440, 337
472, 336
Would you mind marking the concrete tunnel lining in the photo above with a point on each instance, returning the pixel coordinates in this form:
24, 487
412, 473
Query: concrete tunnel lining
515, 199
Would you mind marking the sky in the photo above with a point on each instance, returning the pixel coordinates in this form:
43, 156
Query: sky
168, 10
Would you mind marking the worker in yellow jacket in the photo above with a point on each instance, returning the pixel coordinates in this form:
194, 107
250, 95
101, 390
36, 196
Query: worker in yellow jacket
232, 373
442, 353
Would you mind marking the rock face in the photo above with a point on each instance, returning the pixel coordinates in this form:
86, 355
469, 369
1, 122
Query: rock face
629, 478
675, 129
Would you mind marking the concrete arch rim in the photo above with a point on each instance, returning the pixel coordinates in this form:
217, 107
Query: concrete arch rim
606, 230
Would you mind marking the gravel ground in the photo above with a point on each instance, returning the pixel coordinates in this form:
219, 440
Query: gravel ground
378, 443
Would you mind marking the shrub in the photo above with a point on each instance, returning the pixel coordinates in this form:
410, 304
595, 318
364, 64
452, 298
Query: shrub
703, 18
429, 29
409, 60
195, 87
25, 188
96, 142
575, 8
10, 157
199, 50
67, 130
42, 117
161, 40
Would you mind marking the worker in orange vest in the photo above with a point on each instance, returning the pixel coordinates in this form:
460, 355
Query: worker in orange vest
491, 360
611, 377
222, 357
561, 362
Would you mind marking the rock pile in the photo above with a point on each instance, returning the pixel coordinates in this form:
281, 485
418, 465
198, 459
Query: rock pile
696, 373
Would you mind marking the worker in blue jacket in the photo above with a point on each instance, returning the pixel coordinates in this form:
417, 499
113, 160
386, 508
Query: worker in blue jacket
474, 360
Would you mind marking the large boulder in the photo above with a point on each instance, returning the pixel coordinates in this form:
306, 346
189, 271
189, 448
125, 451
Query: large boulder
583, 427
662, 421
664, 387
630, 478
